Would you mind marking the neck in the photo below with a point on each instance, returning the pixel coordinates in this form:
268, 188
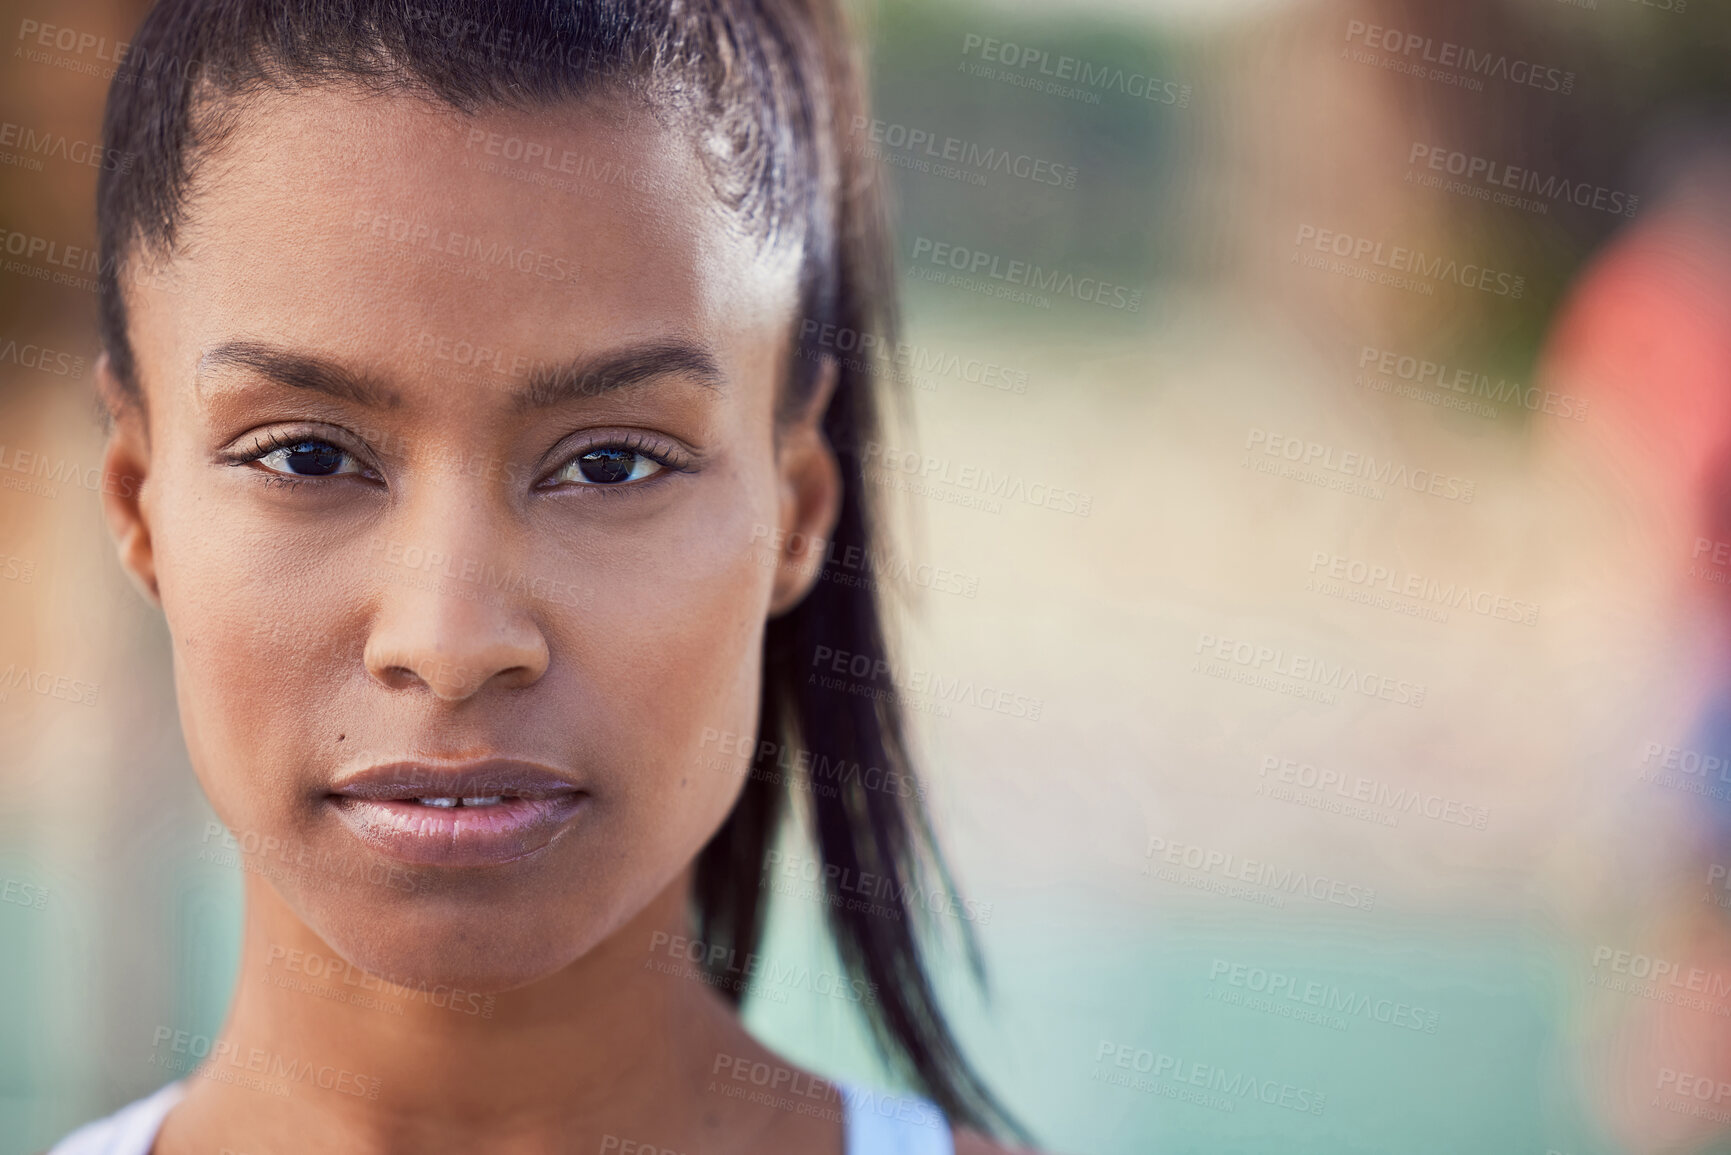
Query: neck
608, 1046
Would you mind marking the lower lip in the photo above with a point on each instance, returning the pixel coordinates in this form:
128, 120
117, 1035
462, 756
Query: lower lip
460, 835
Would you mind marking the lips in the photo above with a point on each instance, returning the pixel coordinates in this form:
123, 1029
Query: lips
469, 815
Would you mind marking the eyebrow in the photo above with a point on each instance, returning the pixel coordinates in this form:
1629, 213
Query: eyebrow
300, 371
549, 383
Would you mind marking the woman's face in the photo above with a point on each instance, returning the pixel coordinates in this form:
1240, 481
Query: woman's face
458, 463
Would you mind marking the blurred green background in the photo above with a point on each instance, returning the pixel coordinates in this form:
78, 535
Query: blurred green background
1194, 204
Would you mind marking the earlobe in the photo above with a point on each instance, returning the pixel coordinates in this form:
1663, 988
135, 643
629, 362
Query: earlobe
811, 485
125, 466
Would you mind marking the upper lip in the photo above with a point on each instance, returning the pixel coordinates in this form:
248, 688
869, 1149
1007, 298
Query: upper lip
425, 779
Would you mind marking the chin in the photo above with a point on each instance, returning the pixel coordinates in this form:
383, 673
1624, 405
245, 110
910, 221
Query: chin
462, 943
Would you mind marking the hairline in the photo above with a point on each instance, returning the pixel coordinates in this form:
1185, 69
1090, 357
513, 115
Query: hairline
613, 96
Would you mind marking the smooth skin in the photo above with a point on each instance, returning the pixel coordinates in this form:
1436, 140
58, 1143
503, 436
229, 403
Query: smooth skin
415, 565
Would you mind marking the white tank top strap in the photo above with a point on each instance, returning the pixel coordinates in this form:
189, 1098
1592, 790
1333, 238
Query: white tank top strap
129, 1131
875, 1123
879, 1123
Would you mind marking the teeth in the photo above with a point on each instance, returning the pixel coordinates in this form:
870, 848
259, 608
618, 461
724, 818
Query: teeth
447, 803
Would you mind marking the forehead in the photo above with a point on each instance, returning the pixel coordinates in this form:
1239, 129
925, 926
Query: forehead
388, 227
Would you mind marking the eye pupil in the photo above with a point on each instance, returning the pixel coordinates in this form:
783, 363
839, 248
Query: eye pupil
607, 465
314, 458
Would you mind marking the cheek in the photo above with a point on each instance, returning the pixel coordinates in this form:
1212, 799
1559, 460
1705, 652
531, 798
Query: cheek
261, 644
672, 645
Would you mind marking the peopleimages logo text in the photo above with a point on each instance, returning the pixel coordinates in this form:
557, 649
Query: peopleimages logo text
979, 263
1498, 175
1328, 996
1230, 1087
1357, 466
1107, 77
926, 144
43, 143
1435, 374
1400, 259
888, 461
1488, 65
1303, 667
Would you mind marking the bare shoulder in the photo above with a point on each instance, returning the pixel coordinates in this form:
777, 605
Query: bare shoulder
974, 1143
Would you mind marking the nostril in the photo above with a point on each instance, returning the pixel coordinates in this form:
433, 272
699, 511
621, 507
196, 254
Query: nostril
396, 677
454, 650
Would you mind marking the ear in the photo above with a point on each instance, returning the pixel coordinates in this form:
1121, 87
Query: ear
810, 482
125, 466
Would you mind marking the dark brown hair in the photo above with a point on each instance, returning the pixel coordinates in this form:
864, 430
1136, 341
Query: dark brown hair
771, 84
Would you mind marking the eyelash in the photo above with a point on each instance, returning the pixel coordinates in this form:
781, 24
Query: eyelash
266, 444
668, 457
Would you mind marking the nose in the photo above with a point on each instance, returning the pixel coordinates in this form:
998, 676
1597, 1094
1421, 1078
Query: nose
453, 636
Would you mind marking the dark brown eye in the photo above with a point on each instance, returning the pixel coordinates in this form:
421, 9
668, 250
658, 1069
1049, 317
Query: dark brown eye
309, 458
610, 465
